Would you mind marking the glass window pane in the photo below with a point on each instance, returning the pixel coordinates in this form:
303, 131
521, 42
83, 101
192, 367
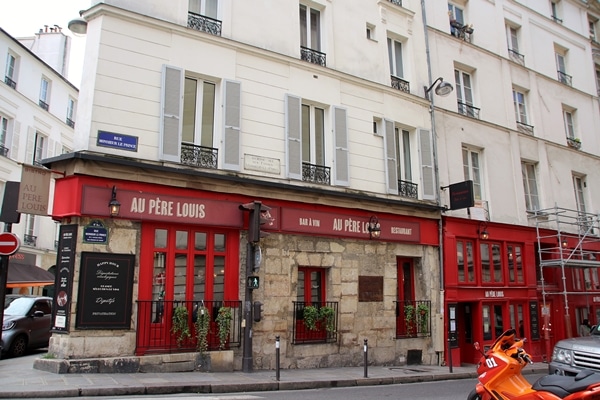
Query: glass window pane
315, 287
487, 328
486, 276
200, 241
158, 286
189, 110
180, 277
160, 238
303, 27
305, 133
219, 242
460, 261
219, 278
208, 114
497, 263
300, 290
470, 262
199, 277
315, 30
319, 136
181, 240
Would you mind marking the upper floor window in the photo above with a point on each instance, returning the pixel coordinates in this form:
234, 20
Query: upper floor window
10, 74
491, 263
310, 35
472, 171
313, 144
406, 185
592, 22
561, 66
4, 139
203, 16
555, 11
71, 112
515, 264
512, 38
464, 94
579, 185
532, 200
465, 261
598, 79
396, 65
521, 112
457, 18
39, 151
45, 93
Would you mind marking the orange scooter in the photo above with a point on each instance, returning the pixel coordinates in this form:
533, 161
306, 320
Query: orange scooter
500, 376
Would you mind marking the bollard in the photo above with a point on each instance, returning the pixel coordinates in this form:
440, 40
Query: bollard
450, 354
277, 357
366, 357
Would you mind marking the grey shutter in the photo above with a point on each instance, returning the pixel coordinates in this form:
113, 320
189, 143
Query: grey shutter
231, 136
342, 162
30, 146
427, 167
169, 146
389, 149
13, 139
293, 136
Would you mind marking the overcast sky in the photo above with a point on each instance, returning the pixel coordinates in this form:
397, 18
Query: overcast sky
26, 17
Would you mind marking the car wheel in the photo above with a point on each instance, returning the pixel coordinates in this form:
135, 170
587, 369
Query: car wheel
18, 346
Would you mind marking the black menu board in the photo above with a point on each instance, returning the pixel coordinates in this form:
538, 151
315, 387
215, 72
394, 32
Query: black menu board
63, 283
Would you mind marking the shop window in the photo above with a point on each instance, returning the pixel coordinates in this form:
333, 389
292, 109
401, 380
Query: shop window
515, 264
491, 263
516, 319
465, 263
493, 322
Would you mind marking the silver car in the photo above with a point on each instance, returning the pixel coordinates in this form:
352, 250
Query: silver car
572, 355
26, 325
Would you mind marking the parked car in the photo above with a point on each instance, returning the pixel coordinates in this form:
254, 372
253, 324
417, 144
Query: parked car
572, 355
26, 325
9, 298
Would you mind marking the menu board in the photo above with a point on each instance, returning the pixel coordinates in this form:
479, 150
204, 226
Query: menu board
535, 323
105, 291
63, 283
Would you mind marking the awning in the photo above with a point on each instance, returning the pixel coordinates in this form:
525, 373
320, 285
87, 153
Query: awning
23, 275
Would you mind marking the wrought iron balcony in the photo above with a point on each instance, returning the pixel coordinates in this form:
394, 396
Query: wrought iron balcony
316, 173
321, 328
70, 122
516, 57
408, 189
396, 2
556, 19
3, 151
461, 31
400, 84
564, 78
199, 156
468, 110
30, 240
413, 318
44, 105
574, 142
10, 82
312, 56
204, 24
524, 128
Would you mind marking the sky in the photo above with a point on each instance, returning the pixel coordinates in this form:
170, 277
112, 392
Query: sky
26, 17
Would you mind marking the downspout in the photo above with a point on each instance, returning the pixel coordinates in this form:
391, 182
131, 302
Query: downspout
436, 174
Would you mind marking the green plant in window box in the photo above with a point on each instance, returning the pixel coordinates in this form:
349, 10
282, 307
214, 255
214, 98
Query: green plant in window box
327, 314
410, 318
423, 317
311, 317
224, 317
202, 329
180, 327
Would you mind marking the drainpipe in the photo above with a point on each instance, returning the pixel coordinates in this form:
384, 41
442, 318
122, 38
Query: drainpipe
435, 165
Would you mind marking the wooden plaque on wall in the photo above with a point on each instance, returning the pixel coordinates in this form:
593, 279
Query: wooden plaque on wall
370, 288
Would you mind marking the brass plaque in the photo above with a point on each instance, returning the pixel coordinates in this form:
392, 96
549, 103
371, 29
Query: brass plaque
370, 288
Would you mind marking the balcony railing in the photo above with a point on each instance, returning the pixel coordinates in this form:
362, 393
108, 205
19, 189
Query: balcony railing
154, 325
413, 318
408, 189
516, 57
468, 110
30, 240
524, 128
3, 151
400, 84
199, 156
324, 329
574, 143
396, 2
316, 173
556, 19
44, 105
70, 122
10, 82
564, 78
313, 56
204, 24
461, 31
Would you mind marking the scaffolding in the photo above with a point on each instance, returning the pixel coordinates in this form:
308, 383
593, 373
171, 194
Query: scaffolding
566, 239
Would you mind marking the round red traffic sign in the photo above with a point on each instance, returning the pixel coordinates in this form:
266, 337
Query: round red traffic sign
9, 243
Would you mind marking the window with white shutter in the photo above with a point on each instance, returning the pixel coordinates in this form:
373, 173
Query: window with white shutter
342, 161
427, 167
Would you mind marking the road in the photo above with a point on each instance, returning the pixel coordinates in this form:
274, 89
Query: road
448, 390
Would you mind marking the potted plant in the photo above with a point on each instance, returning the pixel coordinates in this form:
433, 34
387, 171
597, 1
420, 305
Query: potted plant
181, 327
423, 317
202, 328
327, 314
224, 317
409, 318
311, 316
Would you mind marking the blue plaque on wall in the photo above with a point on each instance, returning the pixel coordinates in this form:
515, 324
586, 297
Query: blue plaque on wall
95, 232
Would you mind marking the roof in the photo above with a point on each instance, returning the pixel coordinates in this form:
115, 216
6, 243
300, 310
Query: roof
24, 275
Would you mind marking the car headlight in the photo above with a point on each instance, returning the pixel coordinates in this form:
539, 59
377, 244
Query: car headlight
8, 325
562, 355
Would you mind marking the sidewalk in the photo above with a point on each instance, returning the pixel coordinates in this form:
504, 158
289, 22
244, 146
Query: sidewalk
18, 379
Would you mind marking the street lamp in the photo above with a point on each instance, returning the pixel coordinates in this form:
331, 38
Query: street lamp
443, 88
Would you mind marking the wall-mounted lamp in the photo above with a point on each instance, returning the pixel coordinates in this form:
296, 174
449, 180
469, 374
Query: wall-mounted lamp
113, 205
78, 25
374, 228
443, 88
564, 243
482, 231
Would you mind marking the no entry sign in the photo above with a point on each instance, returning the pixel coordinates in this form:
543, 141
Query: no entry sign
9, 243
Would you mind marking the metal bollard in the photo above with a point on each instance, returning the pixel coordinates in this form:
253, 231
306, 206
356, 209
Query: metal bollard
366, 351
277, 357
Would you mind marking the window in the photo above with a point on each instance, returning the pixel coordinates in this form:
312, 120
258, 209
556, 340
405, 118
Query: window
561, 66
313, 135
464, 94
310, 35
592, 21
4, 139
44, 94
396, 68
203, 16
207, 8
597, 69
71, 112
406, 187
579, 185
493, 321
10, 75
520, 109
491, 262
515, 264
29, 238
457, 19
569, 124
513, 45
371, 31
532, 201
555, 11
472, 171
198, 112
464, 261
39, 152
